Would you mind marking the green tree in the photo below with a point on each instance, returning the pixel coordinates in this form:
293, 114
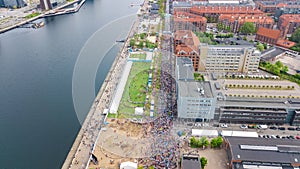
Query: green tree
296, 36
248, 28
279, 64
285, 69
260, 47
140, 167
203, 161
141, 44
151, 167
132, 42
203, 142
142, 35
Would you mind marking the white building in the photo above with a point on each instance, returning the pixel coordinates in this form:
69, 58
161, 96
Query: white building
229, 58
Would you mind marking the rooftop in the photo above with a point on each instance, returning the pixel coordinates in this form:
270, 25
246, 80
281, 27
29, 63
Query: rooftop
189, 17
270, 33
188, 39
225, 9
185, 70
285, 43
289, 18
191, 162
194, 89
257, 18
261, 150
271, 53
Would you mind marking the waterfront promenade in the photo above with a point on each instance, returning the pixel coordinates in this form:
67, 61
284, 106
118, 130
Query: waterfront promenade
52, 12
80, 153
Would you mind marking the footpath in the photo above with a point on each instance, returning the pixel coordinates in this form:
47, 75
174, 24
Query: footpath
84, 144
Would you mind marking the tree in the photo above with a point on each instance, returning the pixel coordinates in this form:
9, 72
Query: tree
203, 161
140, 167
296, 36
141, 44
285, 69
203, 142
279, 64
151, 167
248, 28
260, 46
132, 42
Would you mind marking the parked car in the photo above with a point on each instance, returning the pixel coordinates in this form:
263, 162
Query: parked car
297, 137
281, 128
243, 126
291, 128
224, 125
273, 128
262, 127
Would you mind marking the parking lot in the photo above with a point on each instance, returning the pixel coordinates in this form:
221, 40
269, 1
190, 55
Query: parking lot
294, 89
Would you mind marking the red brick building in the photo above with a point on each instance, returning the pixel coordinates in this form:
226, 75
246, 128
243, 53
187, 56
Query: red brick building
188, 21
288, 23
186, 44
235, 21
271, 6
212, 13
267, 35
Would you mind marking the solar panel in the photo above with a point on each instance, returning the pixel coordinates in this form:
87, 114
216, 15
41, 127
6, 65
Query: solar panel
263, 148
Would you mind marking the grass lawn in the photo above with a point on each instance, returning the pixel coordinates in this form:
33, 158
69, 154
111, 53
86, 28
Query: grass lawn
134, 94
138, 56
32, 15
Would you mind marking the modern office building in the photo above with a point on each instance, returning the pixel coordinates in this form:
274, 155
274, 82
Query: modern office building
235, 21
250, 152
195, 100
258, 111
186, 44
228, 58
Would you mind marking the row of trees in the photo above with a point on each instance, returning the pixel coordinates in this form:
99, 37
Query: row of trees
276, 68
140, 41
259, 86
203, 142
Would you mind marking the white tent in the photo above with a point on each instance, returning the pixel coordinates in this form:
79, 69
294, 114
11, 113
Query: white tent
239, 133
138, 111
128, 165
208, 133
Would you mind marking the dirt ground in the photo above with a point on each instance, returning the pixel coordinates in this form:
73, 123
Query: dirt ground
121, 141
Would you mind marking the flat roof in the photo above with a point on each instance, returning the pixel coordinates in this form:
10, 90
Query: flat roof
248, 149
193, 89
231, 133
259, 102
185, 69
271, 53
190, 162
201, 132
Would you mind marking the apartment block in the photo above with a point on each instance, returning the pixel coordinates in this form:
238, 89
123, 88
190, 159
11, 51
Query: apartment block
188, 21
228, 58
266, 35
288, 23
235, 21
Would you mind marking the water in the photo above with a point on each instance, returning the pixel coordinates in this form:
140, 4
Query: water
38, 123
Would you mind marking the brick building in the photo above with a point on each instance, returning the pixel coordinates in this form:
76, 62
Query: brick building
235, 21
187, 45
212, 13
288, 23
188, 21
267, 35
